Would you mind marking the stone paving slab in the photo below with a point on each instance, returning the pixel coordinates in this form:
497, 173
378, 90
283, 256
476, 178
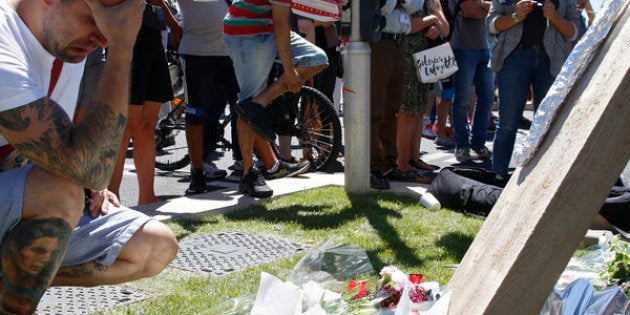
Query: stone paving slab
227, 251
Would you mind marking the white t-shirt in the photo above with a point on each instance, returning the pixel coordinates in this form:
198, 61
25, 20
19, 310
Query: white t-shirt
25, 68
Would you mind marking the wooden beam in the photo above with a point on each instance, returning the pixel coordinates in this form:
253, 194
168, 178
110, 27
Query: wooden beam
548, 205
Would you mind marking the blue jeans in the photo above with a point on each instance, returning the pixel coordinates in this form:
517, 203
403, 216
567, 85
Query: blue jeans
522, 69
254, 55
473, 71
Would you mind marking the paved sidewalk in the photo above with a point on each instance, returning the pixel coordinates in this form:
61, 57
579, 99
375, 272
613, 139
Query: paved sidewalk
229, 199
226, 198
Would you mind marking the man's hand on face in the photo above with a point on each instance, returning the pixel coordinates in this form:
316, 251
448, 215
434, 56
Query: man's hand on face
119, 21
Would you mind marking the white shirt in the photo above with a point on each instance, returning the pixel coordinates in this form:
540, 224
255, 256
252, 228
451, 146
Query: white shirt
398, 20
25, 68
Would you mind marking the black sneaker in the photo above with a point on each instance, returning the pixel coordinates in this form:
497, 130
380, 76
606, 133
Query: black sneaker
197, 182
254, 184
257, 116
378, 181
285, 169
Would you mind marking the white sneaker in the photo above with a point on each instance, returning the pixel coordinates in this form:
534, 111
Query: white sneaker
212, 171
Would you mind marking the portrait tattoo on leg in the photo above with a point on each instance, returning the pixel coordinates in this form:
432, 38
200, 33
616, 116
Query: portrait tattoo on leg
31, 254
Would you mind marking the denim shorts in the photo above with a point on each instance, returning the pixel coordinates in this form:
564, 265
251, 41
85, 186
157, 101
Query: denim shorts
94, 239
254, 55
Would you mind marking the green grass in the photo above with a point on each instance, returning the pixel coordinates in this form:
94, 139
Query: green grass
393, 230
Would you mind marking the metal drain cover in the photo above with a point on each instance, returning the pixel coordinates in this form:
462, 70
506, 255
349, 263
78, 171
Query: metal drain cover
80, 300
227, 251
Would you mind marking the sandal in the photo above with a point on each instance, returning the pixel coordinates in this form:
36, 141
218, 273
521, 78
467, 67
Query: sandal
422, 165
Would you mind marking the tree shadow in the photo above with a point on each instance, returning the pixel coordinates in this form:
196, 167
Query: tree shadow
455, 245
311, 217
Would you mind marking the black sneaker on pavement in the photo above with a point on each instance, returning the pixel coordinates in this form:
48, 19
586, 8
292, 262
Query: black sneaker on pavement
285, 169
197, 182
257, 116
378, 181
254, 184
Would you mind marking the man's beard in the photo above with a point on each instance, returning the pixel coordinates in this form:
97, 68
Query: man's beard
52, 43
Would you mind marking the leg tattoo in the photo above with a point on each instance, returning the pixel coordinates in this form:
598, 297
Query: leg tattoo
31, 254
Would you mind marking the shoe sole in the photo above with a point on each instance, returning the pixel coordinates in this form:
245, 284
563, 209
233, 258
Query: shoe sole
216, 177
295, 173
254, 194
195, 192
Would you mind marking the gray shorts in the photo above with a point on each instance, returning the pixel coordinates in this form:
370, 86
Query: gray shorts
94, 239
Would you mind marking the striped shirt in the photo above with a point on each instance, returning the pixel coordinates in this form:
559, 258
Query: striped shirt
250, 17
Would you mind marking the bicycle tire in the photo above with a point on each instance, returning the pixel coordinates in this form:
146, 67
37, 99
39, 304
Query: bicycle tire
171, 147
314, 123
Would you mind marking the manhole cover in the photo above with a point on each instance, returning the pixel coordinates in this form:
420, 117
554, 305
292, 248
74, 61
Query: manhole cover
227, 251
79, 300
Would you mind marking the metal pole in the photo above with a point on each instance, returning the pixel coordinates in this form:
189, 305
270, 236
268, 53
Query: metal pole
356, 116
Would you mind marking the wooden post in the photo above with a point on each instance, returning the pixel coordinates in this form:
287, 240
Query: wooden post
548, 205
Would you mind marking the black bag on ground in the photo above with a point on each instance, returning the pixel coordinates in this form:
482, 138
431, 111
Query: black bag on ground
468, 189
475, 191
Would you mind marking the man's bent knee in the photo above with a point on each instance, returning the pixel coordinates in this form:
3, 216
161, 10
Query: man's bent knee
159, 245
47, 195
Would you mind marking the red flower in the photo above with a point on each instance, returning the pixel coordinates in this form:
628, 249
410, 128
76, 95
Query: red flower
352, 284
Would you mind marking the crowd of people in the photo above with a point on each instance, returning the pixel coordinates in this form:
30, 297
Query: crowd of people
210, 39
66, 123
510, 47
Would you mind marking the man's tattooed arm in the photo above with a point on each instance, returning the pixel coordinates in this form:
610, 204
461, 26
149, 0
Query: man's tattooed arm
43, 133
85, 153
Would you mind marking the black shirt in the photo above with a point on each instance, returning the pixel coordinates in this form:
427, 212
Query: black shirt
534, 26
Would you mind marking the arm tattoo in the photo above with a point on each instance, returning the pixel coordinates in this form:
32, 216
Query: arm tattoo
31, 254
84, 270
85, 153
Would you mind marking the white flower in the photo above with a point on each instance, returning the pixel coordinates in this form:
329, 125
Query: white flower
391, 273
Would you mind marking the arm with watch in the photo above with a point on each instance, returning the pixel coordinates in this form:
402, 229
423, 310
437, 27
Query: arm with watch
523, 8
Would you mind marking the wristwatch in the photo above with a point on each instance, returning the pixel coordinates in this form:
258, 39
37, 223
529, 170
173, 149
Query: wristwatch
515, 18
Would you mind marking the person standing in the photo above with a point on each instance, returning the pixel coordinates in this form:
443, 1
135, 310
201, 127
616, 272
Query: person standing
150, 87
387, 80
532, 44
470, 46
210, 82
410, 121
257, 32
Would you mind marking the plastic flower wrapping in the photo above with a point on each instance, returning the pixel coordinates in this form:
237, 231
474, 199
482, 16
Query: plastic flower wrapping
329, 280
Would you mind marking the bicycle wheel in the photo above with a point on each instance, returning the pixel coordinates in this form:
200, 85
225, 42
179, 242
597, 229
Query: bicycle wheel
310, 117
171, 148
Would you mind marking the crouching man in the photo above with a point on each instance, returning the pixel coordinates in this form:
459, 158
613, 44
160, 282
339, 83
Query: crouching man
48, 236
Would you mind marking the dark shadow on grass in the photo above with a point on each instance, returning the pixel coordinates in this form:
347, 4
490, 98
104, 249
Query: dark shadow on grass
310, 217
455, 245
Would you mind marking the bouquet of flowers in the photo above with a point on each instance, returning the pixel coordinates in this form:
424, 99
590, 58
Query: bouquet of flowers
394, 281
324, 282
